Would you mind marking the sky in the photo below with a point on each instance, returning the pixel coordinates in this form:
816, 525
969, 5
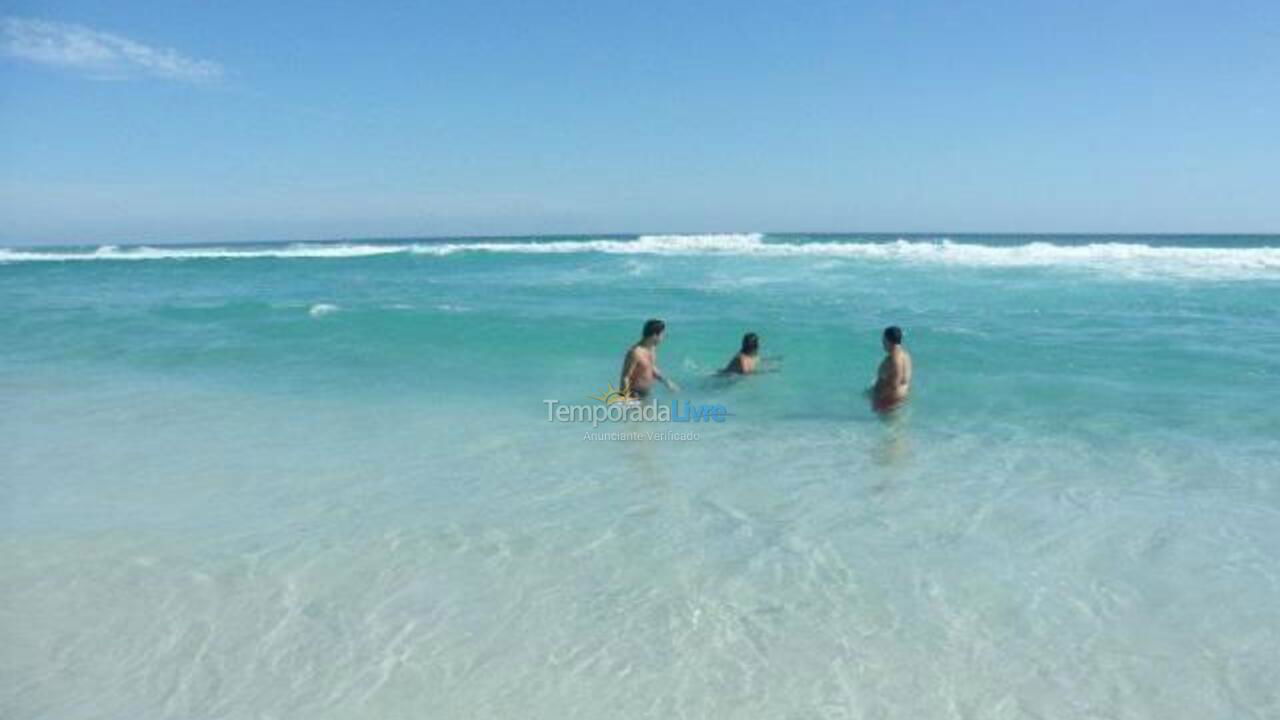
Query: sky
180, 121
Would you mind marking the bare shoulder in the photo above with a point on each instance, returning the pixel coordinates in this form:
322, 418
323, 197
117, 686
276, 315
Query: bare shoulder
631, 357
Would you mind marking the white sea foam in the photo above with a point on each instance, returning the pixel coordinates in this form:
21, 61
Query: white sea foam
322, 309
730, 244
1125, 258
145, 252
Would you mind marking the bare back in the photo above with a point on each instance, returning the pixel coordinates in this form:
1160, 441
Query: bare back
639, 369
893, 379
741, 364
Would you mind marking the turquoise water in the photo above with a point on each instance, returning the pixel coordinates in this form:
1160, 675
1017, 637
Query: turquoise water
318, 480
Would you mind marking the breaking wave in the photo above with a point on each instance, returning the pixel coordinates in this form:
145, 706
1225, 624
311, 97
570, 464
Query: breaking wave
1125, 258
144, 252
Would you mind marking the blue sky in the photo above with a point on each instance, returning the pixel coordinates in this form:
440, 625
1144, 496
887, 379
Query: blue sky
197, 121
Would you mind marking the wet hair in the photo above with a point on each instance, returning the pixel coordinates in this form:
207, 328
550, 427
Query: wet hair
653, 327
893, 334
750, 343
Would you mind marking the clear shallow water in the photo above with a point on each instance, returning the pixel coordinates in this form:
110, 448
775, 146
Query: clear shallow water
318, 480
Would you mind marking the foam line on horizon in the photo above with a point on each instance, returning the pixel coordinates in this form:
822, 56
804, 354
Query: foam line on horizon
1123, 257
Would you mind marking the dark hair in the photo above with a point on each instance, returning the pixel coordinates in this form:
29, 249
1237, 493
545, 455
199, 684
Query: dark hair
893, 334
653, 327
750, 343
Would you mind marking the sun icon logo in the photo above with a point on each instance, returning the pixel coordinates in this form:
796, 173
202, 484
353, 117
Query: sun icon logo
614, 395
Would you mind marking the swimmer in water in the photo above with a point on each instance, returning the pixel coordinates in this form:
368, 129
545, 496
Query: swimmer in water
744, 363
893, 379
640, 367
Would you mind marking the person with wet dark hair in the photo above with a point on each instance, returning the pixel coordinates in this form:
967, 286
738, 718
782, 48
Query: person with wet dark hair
744, 363
893, 379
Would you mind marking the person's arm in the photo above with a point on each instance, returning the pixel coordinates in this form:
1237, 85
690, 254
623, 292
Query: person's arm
886, 377
663, 379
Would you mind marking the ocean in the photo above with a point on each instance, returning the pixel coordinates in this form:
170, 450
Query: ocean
325, 480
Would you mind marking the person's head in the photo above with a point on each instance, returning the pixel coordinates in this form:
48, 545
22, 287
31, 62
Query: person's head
750, 344
653, 330
892, 337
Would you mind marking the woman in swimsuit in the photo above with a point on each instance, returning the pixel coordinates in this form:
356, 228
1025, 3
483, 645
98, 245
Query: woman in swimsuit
744, 363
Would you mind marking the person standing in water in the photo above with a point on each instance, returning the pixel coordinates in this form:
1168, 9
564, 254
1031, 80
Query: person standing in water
893, 379
744, 363
640, 367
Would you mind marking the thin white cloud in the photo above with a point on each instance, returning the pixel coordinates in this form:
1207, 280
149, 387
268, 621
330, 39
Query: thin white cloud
98, 53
